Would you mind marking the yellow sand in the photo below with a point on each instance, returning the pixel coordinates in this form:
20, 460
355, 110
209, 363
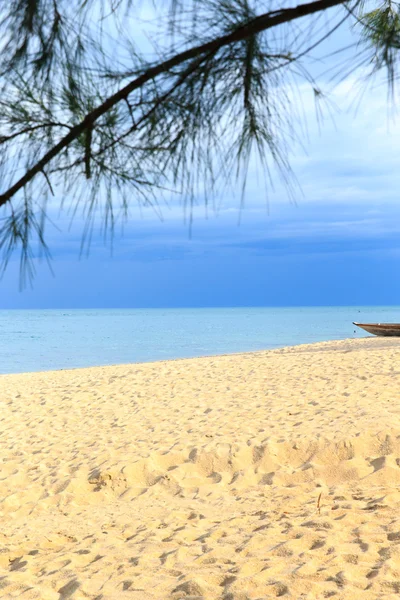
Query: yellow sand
201, 478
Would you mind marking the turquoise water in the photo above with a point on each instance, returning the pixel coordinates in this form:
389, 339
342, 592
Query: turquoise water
41, 340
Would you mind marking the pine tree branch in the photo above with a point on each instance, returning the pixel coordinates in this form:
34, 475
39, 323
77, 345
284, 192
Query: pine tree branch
253, 27
136, 124
88, 151
30, 129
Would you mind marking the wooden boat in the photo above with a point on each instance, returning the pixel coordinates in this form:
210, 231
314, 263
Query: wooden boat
386, 329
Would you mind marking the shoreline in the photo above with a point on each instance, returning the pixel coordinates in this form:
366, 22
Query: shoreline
375, 342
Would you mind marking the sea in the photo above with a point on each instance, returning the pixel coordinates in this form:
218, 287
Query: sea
43, 340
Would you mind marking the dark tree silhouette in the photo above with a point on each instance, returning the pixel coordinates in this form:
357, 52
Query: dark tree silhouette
86, 114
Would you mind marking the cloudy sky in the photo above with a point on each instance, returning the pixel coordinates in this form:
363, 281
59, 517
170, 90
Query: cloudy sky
337, 244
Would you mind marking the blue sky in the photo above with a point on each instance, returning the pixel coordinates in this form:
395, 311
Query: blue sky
338, 244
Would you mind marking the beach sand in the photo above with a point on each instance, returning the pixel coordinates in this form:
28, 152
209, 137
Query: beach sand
261, 475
